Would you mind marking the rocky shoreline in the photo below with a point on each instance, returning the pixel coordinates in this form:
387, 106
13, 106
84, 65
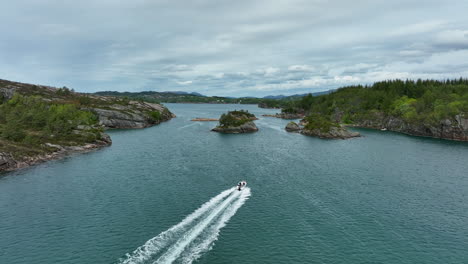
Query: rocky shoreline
456, 130
9, 163
248, 127
334, 132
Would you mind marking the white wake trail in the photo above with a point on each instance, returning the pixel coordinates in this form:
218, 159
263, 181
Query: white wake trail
212, 232
175, 250
156, 244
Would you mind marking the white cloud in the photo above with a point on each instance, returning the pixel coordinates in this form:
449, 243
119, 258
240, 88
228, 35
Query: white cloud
418, 28
303, 68
185, 82
452, 37
346, 79
270, 71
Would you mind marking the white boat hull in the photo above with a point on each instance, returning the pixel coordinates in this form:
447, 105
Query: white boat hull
241, 185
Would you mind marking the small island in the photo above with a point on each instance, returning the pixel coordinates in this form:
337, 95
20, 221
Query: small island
236, 122
316, 125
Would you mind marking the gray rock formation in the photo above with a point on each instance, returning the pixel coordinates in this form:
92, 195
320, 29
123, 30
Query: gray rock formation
452, 129
248, 127
293, 127
6, 93
333, 133
6, 161
135, 115
120, 119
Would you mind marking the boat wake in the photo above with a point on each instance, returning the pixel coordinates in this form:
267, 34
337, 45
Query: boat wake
194, 235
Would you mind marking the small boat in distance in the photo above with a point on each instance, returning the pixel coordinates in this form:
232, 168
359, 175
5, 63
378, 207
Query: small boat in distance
241, 185
383, 129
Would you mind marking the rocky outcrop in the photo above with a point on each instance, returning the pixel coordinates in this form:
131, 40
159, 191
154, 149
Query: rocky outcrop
286, 116
134, 115
120, 119
7, 162
332, 133
6, 93
293, 127
451, 129
248, 127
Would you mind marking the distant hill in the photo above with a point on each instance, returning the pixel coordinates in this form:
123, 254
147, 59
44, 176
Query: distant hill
194, 97
185, 93
296, 95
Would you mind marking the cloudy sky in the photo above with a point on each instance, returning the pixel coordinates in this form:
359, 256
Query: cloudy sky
230, 48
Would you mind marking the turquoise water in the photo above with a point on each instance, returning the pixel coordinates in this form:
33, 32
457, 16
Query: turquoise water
382, 198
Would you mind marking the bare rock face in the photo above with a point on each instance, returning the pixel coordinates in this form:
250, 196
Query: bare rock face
333, 133
6, 161
119, 119
134, 115
248, 127
6, 93
452, 129
293, 127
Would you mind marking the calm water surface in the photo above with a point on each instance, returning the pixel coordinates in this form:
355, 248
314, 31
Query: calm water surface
382, 198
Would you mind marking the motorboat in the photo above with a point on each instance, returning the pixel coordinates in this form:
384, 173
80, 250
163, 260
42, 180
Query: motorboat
241, 185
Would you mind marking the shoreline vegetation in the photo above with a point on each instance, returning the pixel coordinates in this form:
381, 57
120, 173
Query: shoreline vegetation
40, 123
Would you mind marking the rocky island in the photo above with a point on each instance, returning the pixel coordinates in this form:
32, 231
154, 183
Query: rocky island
236, 122
318, 126
40, 123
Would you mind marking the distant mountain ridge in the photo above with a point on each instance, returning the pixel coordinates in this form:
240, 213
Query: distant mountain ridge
185, 93
182, 96
297, 95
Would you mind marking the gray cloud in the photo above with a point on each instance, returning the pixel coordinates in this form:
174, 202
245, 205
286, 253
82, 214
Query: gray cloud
233, 48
